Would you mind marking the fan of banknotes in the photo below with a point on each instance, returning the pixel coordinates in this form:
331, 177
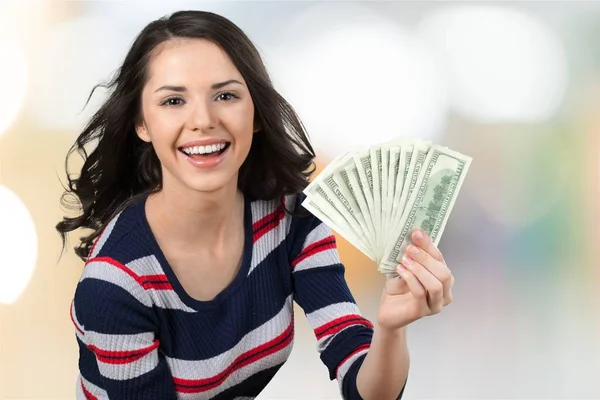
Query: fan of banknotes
377, 197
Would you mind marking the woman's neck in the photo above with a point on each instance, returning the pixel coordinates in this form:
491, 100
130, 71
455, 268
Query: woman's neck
188, 217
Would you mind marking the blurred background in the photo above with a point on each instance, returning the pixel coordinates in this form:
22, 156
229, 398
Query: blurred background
515, 85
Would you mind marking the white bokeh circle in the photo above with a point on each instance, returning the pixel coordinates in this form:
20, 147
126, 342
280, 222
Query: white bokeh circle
18, 246
502, 65
359, 80
14, 76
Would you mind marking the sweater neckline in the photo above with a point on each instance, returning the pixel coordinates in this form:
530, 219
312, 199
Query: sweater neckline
233, 286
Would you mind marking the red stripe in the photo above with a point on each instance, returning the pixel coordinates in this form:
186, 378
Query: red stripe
73, 319
249, 357
357, 350
86, 393
338, 324
158, 286
269, 222
122, 357
157, 282
327, 243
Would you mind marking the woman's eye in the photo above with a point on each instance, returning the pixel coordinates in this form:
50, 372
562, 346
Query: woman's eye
172, 101
227, 96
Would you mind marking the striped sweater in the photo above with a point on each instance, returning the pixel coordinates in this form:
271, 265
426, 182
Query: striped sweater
141, 336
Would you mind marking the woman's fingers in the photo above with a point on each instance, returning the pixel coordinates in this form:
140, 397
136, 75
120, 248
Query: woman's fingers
434, 289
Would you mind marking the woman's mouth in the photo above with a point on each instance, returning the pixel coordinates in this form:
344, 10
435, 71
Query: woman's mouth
206, 156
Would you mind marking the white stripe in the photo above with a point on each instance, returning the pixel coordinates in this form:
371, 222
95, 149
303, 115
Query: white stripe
327, 314
122, 342
322, 258
345, 366
107, 272
123, 372
90, 387
242, 374
167, 299
134, 342
104, 237
202, 369
270, 240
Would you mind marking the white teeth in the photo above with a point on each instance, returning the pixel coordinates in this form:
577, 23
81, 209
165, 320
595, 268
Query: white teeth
204, 149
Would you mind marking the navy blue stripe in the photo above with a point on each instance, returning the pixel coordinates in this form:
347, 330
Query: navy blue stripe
300, 228
343, 344
321, 286
104, 307
349, 389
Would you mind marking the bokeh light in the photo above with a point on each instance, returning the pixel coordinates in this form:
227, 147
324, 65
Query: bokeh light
502, 65
522, 175
358, 80
14, 72
18, 239
74, 57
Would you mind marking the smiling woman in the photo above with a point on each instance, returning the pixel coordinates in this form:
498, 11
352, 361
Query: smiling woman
145, 100
199, 243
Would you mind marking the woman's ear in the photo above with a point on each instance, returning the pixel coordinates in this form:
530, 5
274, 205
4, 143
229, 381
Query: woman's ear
142, 132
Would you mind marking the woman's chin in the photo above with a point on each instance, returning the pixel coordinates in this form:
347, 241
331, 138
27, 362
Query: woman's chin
214, 183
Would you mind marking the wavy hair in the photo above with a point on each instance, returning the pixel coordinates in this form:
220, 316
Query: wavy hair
122, 168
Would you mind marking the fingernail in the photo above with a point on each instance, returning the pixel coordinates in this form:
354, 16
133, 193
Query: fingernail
406, 260
419, 235
401, 269
414, 250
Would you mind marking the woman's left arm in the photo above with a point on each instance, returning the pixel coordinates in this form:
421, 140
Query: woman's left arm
424, 289
384, 372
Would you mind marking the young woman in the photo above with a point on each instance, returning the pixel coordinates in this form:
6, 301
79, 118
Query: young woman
198, 242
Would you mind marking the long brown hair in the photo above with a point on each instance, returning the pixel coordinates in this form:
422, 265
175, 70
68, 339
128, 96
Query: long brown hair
121, 168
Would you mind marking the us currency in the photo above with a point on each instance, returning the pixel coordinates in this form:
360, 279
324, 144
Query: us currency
377, 173
394, 167
376, 197
364, 170
332, 218
430, 202
411, 175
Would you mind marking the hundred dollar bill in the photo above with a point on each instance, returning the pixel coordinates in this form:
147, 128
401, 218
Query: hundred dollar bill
343, 185
430, 203
365, 175
350, 171
348, 208
411, 175
377, 173
394, 167
330, 217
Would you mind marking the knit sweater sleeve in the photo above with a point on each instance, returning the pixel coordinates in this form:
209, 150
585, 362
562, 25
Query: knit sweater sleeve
116, 332
343, 335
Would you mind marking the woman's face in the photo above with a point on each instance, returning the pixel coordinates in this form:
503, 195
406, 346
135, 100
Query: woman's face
198, 115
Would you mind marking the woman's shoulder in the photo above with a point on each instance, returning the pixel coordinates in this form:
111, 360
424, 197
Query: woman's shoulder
124, 237
118, 265
286, 209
